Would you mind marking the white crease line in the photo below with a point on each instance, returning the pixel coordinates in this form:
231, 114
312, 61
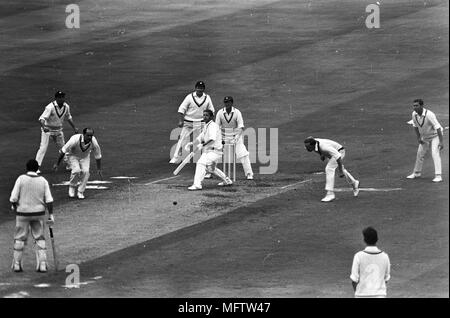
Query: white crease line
369, 189
290, 185
161, 180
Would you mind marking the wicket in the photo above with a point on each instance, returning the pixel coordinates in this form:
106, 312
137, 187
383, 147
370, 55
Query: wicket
229, 159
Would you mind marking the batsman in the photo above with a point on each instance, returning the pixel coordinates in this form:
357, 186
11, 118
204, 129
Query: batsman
210, 141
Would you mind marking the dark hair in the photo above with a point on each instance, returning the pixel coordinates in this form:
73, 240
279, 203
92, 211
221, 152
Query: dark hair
32, 165
86, 129
310, 140
370, 235
418, 100
209, 111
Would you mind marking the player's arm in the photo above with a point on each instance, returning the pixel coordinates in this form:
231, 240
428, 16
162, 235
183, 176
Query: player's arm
45, 116
14, 199
180, 119
75, 129
182, 110
61, 155
354, 276
441, 139
98, 156
419, 138
438, 128
340, 167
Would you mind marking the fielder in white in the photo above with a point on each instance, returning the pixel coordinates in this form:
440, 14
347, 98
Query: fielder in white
210, 141
335, 153
78, 149
429, 135
231, 122
371, 268
51, 121
190, 117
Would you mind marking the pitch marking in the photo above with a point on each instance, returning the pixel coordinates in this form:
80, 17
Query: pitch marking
300, 182
369, 189
123, 177
161, 180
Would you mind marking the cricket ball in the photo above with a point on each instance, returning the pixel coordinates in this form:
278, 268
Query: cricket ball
174, 202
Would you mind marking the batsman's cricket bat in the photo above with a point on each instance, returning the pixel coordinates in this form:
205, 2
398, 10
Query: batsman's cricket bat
184, 162
52, 239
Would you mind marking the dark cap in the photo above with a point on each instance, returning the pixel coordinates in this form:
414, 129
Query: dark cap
60, 94
200, 84
227, 99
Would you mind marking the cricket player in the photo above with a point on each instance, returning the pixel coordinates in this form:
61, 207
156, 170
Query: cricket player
51, 121
210, 141
29, 199
231, 122
78, 149
190, 117
370, 269
429, 135
335, 153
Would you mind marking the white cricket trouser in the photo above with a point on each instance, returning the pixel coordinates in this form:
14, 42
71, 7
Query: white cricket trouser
208, 161
330, 170
185, 136
57, 137
242, 154
435, 154
79, 175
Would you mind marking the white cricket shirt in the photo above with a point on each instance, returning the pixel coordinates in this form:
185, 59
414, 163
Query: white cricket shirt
31, 192
371, 270
211, 131
426, 123
54, 116
76, 147
193, 106
328, 148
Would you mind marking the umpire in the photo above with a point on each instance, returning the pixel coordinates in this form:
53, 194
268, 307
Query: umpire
30, 198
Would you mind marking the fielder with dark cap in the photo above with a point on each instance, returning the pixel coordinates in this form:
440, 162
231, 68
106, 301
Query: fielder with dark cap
51, 121
334, 153
190, 117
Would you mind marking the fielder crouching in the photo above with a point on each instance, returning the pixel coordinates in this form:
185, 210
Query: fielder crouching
210, 140
78, 149
30, 198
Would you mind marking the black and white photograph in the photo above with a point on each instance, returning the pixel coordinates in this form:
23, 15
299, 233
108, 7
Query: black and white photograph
224, 154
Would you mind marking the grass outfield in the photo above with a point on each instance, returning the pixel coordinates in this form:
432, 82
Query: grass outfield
306, 68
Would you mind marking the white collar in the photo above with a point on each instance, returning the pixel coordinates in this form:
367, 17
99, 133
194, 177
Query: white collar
372, 249
32, 173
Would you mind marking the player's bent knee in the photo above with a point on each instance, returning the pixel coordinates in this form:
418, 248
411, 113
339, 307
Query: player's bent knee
40, 244
19, 245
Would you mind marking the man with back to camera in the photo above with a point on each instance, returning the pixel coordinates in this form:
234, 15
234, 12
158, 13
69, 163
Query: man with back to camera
370, 269
30, 198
